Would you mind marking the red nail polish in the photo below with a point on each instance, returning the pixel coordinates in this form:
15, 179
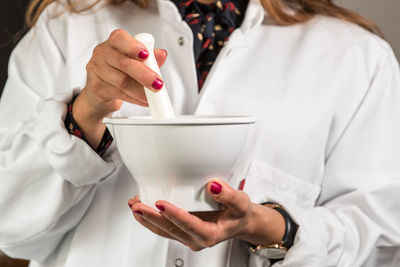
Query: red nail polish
157, 84
138, 212
143, 54
161, 208
166, 53
241, 186
216, 188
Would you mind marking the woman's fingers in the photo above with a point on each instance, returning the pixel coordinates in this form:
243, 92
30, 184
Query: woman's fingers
236, 201
130, 57
120, 81
108, 91
127, 45
127, 98
139, 217
190, 229
206, 233
135, 69
151, 227
156, 223
118, 62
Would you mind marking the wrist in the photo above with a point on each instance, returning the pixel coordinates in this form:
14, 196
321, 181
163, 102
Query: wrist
84, 108
88, 119
265, 226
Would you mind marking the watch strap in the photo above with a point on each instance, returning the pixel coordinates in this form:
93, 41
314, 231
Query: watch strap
290, 225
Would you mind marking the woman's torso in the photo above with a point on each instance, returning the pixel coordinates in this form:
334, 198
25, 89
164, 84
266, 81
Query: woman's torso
291, 79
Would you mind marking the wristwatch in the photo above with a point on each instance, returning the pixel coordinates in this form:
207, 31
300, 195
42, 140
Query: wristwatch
278, 250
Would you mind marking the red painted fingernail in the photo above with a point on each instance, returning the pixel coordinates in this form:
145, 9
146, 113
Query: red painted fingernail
241, 186
138, 212
166, 53
157, 84
143, 54
161, 208
216, 188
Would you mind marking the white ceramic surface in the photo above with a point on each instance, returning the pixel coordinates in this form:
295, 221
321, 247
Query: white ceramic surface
174, 159
159, 102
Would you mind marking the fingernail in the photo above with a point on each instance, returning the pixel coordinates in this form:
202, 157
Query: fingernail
161, 208
166, 53
143, 54
157, 84
216, 188
138, 212
130, 202
241, 186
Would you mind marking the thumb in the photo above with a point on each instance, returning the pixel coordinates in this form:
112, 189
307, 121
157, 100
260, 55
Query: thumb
236, 201
161, 56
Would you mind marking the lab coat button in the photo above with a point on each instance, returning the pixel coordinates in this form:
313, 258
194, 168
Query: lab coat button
179, 262
181, 40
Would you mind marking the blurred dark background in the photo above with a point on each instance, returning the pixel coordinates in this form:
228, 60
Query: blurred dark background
11, 22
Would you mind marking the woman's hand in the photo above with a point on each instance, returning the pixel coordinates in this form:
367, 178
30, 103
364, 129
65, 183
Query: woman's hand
115, 73
241, 219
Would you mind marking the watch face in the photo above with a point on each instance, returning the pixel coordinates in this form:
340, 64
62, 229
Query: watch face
272, 253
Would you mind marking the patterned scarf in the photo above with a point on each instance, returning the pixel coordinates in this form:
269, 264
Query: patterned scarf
211, 25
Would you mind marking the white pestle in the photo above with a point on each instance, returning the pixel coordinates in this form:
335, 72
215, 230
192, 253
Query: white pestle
159, 102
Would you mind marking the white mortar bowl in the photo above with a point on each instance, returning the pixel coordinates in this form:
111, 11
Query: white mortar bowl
173, 159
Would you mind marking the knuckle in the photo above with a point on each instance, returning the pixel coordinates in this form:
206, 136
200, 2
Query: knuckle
239, 201
115, 34
89, 67
123, 82
212, 242
96, 84
209, 242
242, 203
124, 62
233, 199
97, 51
195, 248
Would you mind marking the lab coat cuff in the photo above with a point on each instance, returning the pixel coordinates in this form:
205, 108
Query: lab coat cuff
70, 156
297, 198
310, 243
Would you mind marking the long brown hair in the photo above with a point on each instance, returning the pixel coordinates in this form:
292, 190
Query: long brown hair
304, 11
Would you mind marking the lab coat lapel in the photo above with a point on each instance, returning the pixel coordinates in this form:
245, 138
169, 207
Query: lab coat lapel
253, 18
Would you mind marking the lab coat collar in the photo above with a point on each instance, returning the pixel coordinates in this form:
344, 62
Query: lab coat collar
253, 17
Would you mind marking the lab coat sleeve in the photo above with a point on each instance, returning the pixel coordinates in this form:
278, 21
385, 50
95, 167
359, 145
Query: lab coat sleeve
360, 211
47, 177
356, 218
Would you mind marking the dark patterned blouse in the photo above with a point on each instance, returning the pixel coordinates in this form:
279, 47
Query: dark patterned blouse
211, 26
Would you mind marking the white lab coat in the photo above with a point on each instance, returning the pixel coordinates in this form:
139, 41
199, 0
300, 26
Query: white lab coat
326, 145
